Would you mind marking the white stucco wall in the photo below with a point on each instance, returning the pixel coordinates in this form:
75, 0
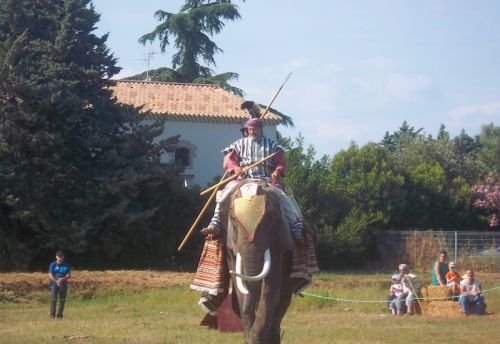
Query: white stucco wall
206, 140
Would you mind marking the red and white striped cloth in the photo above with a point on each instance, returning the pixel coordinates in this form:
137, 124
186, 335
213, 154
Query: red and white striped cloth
211, 275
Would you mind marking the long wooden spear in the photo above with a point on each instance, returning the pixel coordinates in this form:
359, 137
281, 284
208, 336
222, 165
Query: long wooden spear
274, 97
188, 235
234, 176
415, 293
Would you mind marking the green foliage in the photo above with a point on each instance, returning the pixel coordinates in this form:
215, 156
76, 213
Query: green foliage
191, 30
368, 178
404, 134
343, 198
77, 171
409, 181
429, 176
438, 174
489, 153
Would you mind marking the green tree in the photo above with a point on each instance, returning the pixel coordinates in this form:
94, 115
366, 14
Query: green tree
191, 28
76, 169
404, 134
344, 198
489, 153
443, 134
369, 178
438, 174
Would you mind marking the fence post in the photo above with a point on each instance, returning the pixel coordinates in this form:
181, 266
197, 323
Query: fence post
456, 246
415, 249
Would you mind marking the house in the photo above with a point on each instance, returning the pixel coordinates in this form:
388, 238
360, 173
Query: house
206, 117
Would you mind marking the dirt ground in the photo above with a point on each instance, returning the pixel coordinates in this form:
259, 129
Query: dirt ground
26, 287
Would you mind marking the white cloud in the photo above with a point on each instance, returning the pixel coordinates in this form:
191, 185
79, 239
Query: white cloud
297, 63
311, 98
372, 64
329, 135
491, 110
339, 129
403, 87
361, 83
333, 68
377, 63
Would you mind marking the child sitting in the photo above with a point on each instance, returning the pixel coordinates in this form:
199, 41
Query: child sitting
453, 279
396, 305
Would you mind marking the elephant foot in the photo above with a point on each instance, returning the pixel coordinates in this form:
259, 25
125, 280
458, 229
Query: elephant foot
211, 303
207, 305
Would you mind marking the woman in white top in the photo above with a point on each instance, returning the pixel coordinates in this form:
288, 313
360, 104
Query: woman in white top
470, 294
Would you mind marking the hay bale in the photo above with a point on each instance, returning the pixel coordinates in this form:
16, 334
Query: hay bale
437, 292
443, 308
424, 292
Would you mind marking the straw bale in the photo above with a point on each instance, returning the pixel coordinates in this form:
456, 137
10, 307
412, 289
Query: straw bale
443, 308
436, 292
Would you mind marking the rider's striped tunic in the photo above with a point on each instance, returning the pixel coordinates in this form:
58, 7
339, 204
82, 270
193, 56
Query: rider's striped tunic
250, 150
245, 152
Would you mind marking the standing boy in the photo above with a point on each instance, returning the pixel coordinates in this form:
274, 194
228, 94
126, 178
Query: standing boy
59, 274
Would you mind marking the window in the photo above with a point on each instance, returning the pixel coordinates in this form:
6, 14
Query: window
182, 157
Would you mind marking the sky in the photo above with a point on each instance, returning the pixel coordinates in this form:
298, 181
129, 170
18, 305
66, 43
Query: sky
359, 67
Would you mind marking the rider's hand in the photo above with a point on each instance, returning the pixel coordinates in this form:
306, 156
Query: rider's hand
237, 170
210, 231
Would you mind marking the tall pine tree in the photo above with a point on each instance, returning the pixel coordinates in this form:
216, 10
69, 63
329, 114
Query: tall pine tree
192, 28
77, 170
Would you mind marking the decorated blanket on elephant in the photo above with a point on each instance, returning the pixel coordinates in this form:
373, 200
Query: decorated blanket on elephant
304, 262
212, 275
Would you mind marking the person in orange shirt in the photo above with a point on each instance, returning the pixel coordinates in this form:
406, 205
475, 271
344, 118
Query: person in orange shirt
453, 278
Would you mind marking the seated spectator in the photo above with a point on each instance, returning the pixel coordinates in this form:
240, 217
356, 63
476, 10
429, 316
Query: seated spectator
411, 287
453, 279
471, 298
396, 305
439, 270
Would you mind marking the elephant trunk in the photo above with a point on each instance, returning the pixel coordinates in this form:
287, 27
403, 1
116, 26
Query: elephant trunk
240, 277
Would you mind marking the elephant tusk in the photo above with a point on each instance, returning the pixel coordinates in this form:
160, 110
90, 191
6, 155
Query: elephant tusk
262, 275
239, 282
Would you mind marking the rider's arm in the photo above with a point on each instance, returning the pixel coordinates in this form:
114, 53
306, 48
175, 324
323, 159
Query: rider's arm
280, 162
232, 162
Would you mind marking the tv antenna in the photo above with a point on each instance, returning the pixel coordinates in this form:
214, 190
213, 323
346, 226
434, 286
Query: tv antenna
147, 58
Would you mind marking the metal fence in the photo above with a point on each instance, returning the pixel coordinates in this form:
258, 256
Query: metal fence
479, 250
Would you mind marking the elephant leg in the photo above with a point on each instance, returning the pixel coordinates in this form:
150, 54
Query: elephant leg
285, 300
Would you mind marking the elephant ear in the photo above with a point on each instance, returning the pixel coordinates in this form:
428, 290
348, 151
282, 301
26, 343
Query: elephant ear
248, 212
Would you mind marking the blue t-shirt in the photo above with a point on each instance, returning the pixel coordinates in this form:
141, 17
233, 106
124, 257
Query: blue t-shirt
59, 271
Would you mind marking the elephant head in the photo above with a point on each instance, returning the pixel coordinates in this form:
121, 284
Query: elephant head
258, 253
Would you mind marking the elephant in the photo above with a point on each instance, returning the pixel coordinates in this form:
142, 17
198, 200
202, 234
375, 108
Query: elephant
258, 253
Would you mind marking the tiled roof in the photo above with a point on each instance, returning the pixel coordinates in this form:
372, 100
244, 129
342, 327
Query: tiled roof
185, 102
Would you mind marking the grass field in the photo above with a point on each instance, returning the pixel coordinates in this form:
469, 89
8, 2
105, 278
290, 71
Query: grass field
157, 307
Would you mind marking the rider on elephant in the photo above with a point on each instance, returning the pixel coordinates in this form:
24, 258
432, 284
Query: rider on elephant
247, 151
239, 154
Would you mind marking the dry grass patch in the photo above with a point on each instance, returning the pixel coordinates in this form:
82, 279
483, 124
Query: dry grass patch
30, 287
158, 307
